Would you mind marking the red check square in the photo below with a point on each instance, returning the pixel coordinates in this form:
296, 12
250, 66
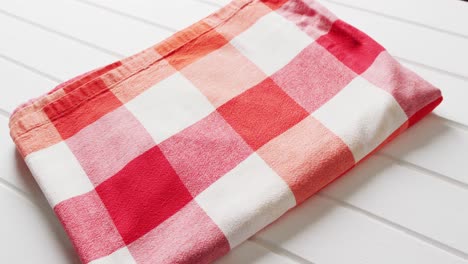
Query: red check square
78, 118
351, 46
262, 113
89, 225
143, 194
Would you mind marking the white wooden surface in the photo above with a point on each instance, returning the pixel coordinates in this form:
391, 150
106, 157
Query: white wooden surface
407, 204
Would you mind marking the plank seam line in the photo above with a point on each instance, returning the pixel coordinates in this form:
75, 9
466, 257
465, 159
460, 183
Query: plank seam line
279, 250
31, 69
44, 208
7, 185
439, 70
423, 238
124, 14
53, 31
207, 2
4, 113
425, 171
408, 21
449, 122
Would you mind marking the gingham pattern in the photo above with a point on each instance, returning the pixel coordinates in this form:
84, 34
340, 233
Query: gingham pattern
183, 151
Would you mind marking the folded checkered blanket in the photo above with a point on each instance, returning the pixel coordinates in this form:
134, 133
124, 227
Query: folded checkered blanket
184, 150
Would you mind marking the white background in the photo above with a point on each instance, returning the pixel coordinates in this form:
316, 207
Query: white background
407, 204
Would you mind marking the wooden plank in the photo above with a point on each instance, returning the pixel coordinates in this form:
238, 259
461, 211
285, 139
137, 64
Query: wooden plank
93, 25
439, 14
31, 234
322, 231
436, 49
435, 145
13, 169
434, 208
172, 14
47, 52
250, 252
20, 85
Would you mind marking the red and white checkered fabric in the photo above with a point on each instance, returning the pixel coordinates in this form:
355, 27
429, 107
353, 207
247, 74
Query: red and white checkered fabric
183, 151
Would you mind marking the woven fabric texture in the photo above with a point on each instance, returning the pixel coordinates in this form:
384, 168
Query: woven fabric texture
183, 151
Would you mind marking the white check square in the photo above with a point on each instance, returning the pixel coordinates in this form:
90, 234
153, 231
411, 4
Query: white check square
272, 42
362, 115
121, 255
246, 199
58, 173
169, 106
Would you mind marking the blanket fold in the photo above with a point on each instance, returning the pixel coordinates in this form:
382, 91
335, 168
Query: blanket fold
181, 152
